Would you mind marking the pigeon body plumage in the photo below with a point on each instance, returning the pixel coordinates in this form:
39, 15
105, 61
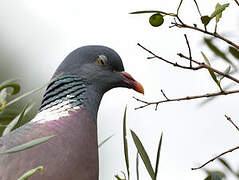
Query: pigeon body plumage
68, 111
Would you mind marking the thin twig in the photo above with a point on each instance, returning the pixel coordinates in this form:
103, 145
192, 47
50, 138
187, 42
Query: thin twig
164, 95
179, 6
230, 150
189, 49
236, 2
200, 65
156, 103
197, 7
230, 120
156, 56
183, 25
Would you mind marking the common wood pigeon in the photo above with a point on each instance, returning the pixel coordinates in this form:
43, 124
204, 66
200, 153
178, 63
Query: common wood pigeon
68, 111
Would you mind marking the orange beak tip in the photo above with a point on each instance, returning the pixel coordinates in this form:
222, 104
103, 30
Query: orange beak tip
132, 82
139, 88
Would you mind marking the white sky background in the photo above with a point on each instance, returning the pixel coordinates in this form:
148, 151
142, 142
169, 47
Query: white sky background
44, 32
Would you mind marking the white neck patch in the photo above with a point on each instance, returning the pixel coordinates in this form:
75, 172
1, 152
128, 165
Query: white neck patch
56, 112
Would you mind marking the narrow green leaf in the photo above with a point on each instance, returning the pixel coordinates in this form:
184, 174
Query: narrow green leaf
152, 11
219, 10
119, 178
105, 140
224, 162
137, 165
219, 15
143, 12
31, 172
158, 155
31, 92
25, 95
143, 154
211, 71
227, 71
11, 83
216, 50
234, 52
126, 153
8, 81
123, 174
28, 145
15, 88
17, 120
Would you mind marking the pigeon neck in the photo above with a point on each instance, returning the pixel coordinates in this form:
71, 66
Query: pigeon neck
69, 92
93, 97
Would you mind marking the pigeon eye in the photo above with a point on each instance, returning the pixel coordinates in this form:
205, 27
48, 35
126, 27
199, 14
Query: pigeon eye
102, 60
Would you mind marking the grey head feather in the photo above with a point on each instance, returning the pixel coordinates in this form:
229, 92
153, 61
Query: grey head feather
74, 63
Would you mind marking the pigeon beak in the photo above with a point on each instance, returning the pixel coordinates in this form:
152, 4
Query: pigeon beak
132, 82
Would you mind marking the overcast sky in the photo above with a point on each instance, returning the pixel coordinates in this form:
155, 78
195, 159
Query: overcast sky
37, 35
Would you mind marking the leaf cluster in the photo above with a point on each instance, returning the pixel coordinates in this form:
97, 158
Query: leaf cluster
157, 19
140, 152
15, 121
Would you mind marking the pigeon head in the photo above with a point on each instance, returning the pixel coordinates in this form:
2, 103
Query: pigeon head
83, 78
100, 67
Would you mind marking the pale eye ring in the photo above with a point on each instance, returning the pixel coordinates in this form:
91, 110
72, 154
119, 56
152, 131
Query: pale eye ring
101, 59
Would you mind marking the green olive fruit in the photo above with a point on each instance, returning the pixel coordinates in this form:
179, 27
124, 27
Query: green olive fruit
156, 20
